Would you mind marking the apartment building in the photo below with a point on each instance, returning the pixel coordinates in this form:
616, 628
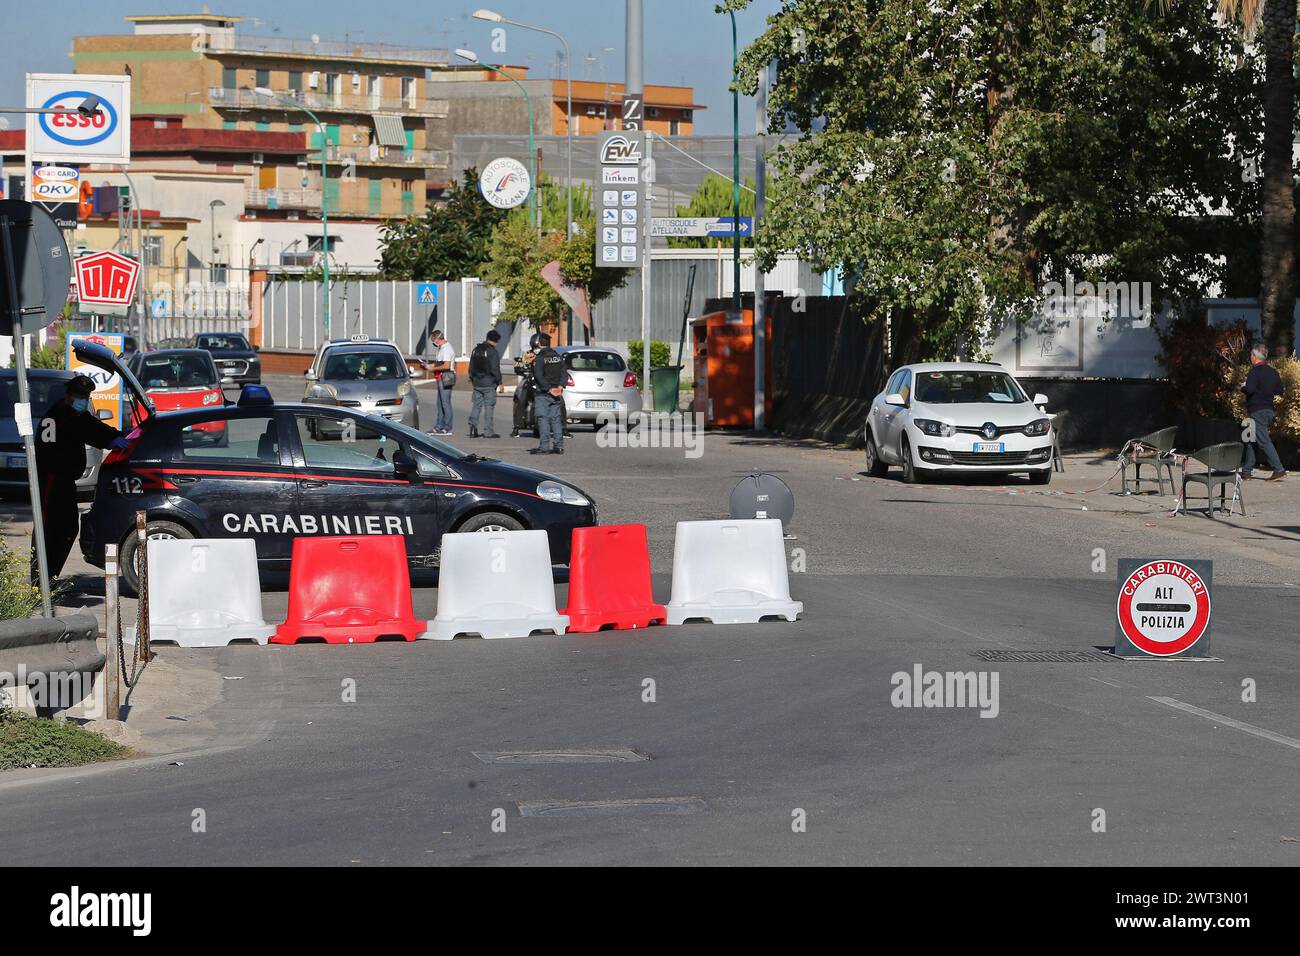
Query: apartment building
367, 104
484, 103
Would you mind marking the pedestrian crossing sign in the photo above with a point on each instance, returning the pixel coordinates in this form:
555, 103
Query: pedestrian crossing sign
428, 293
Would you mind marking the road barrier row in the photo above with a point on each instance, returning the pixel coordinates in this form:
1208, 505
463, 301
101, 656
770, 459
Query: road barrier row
492, 584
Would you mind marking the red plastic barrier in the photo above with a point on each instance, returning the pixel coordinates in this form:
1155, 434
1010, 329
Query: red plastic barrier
349, 590
609, 580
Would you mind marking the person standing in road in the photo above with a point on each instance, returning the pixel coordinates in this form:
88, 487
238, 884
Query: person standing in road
549, 373
1262, 386
485, 377
444, 373
61, 440
525, 386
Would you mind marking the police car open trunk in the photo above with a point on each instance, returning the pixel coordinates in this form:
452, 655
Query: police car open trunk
102, 357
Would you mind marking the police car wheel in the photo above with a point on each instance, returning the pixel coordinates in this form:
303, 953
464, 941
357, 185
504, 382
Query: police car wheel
491, 521
1040, 477
156, 529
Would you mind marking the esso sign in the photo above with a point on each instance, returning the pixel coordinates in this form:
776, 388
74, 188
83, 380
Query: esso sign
66, 135
72, 128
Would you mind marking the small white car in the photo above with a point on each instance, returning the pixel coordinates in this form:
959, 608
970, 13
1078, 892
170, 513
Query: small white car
600, 386
958, 417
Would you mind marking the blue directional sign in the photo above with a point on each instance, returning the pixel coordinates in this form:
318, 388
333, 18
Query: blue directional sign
726, 226
426, 293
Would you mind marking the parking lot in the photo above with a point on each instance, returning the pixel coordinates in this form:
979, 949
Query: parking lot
749, 724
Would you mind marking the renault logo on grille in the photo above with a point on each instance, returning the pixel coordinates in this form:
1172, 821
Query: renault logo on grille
989, 430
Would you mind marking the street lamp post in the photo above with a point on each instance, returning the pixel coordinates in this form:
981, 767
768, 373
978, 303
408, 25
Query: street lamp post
568, 116
324, 191
469, 56
212, 237
735, 171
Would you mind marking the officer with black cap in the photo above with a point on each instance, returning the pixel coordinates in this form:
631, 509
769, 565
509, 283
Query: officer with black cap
550, 375
61, 440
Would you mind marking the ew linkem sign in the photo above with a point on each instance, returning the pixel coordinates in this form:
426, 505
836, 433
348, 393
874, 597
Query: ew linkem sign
67, 136
1163, 609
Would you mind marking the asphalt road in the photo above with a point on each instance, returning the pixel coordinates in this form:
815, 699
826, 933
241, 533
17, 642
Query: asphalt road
751, 724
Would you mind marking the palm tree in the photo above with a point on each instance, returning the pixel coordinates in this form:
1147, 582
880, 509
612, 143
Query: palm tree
1277, 294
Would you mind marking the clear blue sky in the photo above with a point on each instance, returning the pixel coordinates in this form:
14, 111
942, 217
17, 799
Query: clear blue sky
686, 42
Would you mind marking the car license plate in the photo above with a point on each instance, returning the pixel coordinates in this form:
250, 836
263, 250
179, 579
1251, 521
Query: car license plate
986, 447
602, 404
17, 461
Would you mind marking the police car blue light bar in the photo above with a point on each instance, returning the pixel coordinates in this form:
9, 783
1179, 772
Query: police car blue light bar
255, 395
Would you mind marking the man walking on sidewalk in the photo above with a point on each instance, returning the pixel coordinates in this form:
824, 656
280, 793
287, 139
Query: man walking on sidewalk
1262, 385
444, 373
485, 376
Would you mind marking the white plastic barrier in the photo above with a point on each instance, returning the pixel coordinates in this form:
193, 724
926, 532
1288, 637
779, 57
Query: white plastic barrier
495, 584
730, 572
204, 592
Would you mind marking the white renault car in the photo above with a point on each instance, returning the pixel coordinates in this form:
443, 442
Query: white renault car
955, 417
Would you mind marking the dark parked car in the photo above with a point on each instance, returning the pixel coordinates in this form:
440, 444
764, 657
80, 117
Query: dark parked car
234, 357
46, 386
278, 475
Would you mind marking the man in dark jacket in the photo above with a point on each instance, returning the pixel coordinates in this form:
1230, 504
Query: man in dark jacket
1262, 385
485, 377
61, 440
550, 375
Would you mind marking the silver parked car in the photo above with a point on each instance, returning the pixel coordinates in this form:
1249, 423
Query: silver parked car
366, 374
599, 384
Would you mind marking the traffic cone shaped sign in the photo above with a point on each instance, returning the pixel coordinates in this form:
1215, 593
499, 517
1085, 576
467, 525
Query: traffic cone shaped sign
349, 590
609, 580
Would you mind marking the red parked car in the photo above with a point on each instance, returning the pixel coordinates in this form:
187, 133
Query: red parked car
177, 379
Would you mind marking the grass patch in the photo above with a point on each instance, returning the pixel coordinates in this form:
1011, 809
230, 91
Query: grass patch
36, 742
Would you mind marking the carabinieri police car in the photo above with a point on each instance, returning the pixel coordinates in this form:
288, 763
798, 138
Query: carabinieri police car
286, 470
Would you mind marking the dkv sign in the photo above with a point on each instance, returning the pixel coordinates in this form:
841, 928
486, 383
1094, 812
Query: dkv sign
106, 282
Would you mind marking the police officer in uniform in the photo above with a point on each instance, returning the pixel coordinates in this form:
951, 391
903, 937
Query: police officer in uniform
61, 440
549, 374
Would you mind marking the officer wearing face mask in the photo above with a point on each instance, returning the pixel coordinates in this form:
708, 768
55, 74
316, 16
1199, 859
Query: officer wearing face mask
61, 440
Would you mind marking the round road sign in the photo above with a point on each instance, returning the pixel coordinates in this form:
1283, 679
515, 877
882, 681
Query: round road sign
41, 266
1163, 608
505, 183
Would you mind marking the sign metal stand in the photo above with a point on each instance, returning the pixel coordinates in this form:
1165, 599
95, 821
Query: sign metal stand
23, 410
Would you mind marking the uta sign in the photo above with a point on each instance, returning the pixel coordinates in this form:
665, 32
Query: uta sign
106, 282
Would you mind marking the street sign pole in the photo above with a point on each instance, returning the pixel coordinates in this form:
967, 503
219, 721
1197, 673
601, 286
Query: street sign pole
645, 274
633, 110
24, 417
760, 286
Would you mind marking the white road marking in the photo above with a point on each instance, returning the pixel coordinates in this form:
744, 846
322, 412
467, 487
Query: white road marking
1229, 722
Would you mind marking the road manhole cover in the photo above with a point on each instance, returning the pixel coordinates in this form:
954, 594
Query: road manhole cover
1042, 657
610, 808
560, 756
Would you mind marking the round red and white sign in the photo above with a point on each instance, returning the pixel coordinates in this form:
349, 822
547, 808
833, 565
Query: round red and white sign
1163, 608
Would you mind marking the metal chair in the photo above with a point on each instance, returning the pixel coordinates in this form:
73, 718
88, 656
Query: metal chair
1222, 468
1058, 425
1155, 450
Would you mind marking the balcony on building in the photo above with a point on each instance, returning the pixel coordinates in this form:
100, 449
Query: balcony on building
323, 101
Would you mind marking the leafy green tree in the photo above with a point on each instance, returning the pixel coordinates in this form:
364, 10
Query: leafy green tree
578, 266
450, 241
514, 265
1277, 237
954, 158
